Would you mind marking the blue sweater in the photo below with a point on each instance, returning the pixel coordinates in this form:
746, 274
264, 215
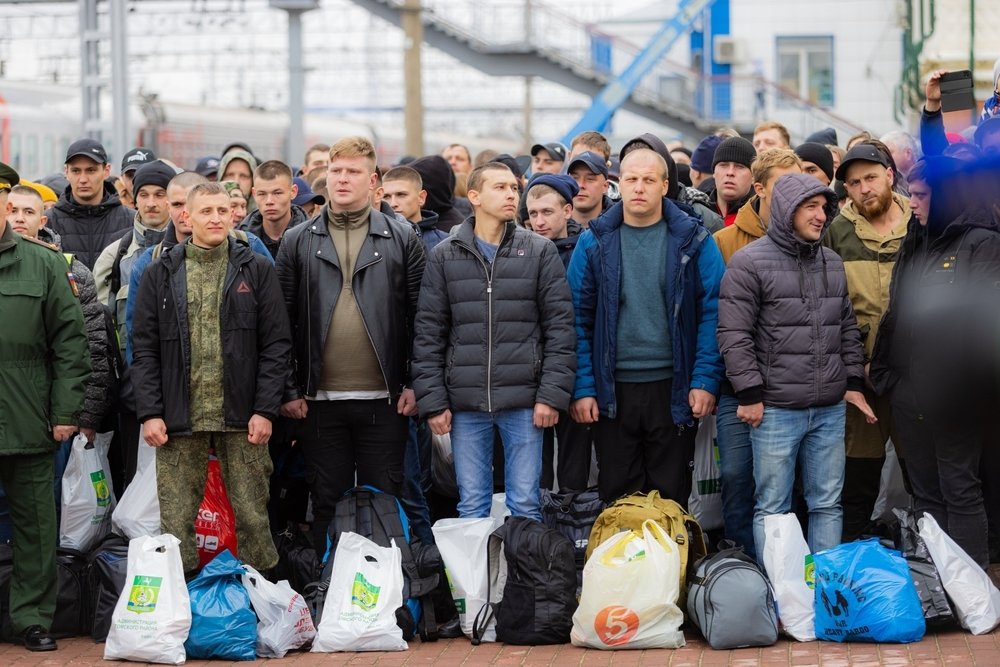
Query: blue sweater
694, 269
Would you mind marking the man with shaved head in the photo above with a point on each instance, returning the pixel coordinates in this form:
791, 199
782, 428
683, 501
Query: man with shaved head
645, 279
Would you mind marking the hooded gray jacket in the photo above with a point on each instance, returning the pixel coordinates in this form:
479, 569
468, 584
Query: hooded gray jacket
787, 330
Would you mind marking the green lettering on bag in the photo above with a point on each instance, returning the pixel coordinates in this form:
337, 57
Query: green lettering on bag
144, 595
364, 594
810, 571
101, 488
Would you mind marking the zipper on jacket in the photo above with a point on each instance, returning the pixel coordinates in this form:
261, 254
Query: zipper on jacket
489, 319
381, 364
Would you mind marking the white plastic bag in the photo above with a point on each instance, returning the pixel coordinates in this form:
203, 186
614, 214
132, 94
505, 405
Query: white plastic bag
153, 616
630, 588
284, 623
788, 563
705, 502
138, 511
498, 508
972, 593
87, 497
463, 547
366, 589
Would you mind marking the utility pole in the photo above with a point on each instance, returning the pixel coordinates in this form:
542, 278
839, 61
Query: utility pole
295, 146
413, 109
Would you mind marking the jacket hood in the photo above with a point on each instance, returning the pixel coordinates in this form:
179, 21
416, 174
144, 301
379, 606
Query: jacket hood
428, 220
236, 154
439, 182
788, 194
69, 205
46, 234
748, 219
654, 143
962, 194
254, 222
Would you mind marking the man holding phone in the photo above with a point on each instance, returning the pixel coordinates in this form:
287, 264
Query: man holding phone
952, 91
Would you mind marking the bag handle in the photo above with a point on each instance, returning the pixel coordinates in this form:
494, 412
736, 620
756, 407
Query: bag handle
488, 610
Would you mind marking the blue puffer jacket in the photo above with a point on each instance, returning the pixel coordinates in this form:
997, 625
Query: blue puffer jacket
694, 273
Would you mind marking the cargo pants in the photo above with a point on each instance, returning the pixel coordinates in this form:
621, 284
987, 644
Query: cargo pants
182, 470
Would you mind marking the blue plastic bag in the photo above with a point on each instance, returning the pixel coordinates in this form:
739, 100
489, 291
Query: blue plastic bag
864, 593
223, 625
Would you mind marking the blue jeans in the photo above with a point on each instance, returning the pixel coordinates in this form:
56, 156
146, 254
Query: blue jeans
814, 437
472, 444
736, 468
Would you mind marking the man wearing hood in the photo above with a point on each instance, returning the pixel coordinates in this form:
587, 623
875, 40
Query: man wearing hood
690, 200
935, 356
867, 235
238, 165
794, 356
88, 215
439, 181
735, 449
273, 190
645, 283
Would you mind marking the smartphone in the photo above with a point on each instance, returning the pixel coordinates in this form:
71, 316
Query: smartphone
957, 91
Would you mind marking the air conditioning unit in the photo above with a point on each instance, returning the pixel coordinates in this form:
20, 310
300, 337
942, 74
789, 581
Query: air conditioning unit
727, 50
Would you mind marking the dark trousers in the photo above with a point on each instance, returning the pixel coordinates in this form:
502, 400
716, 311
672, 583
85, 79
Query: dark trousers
943, 451
862, 482
572, 464
344, 439
27, 480
413, 500
641, 449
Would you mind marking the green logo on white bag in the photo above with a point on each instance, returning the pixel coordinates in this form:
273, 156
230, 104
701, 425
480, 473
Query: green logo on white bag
144, 595
810, 571
101, 488
364, 594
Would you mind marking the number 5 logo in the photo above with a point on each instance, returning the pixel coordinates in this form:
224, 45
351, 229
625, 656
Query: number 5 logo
616, 625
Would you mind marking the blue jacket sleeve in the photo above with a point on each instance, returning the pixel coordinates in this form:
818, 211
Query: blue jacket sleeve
133, 289
583, 287
708, 367
933, 140
259, 248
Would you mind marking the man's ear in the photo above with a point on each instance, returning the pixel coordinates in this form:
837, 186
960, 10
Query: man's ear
421, 198
759, 189
892, 176
44, 221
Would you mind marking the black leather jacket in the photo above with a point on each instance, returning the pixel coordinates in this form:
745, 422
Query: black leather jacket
386, 282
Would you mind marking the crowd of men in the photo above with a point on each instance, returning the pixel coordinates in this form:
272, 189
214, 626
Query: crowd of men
315, 326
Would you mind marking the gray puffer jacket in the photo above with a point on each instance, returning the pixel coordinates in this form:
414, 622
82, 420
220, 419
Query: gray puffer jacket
787, 330
498, 337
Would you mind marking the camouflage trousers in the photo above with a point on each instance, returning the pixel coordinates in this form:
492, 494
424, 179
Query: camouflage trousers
182, 469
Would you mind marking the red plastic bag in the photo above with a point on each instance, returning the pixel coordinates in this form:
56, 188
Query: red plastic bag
215, 527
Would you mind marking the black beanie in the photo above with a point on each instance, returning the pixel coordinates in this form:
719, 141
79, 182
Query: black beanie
735, 149
156, 173
818, 154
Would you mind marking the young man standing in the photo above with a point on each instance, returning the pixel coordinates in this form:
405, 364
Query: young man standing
494, 345
645, 280
404, 191
351, 278
794, 356
211, 357
549, 199
733, 181
273, 190
590, 171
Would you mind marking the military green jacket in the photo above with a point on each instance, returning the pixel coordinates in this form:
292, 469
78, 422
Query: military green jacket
44, 359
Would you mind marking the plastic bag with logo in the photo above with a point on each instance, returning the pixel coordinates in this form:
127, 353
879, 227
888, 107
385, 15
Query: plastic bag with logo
366, 589
153, 616
284, 620
864, 593
463, 546
215, 527
630, 588
87, 498
705, 502
223, 626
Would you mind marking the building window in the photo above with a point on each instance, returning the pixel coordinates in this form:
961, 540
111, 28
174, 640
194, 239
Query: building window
805, 68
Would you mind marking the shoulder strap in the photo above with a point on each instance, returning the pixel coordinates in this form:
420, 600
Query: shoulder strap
116, 268
484, 616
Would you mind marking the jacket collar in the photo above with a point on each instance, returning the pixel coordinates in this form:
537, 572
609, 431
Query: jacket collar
680, 226
378, 224
173, 257
864, 229
467, 232
748, 219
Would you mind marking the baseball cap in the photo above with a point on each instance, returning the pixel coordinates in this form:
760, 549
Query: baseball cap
207, 165
137, 157
861, 153
594, 162
555, 150
305, 194
88, 147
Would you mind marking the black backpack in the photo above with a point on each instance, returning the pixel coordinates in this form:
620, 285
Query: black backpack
539, 596
380, 518
573, 513
107, 569
298, 563
71, 618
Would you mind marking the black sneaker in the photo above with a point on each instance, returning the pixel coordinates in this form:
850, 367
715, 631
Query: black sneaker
37, 638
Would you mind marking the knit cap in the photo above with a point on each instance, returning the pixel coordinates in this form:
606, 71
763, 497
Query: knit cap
701, 159
735, 149
818, 154
155, 173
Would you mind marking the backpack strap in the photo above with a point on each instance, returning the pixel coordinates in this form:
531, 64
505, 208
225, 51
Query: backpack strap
116, 267
485, 615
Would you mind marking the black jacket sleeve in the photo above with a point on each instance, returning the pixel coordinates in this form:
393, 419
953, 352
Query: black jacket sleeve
432, 328
274, 342
416, 262
286, 268
97, 398
147, 378
555, 307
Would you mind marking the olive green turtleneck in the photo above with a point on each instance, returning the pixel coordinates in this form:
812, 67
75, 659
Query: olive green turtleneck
349, 360
206, 274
